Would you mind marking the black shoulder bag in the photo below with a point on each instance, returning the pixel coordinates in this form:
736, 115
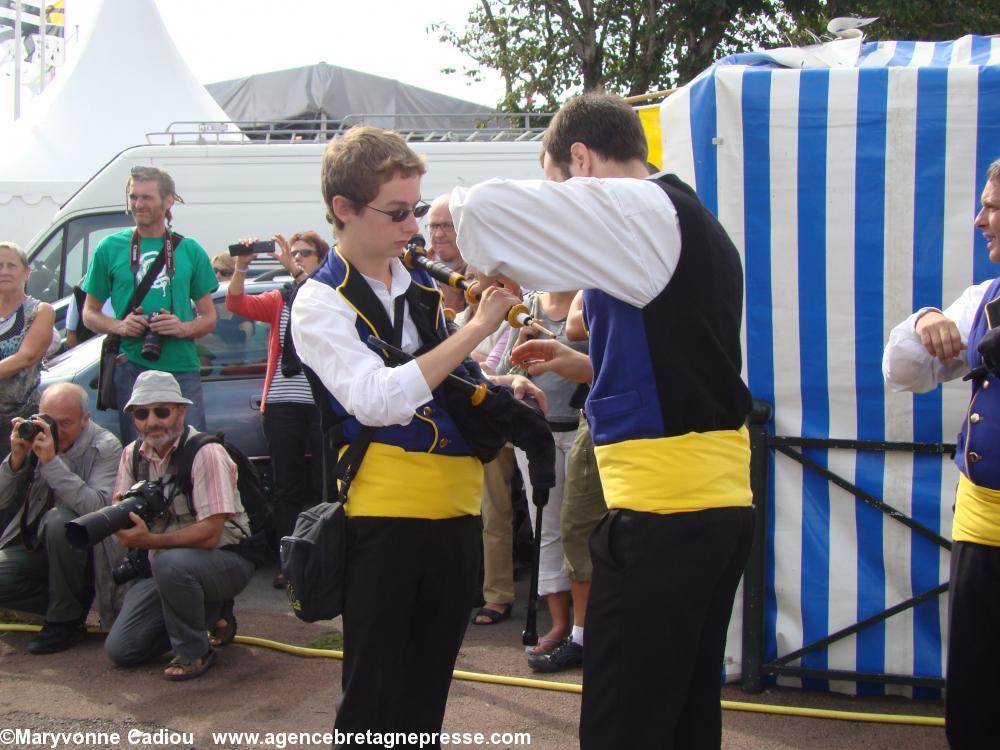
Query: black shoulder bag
314, 557
112, 343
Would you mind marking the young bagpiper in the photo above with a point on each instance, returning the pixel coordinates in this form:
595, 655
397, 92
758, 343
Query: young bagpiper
413, 535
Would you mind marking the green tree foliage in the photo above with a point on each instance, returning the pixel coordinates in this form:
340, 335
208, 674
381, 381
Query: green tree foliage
548, 49
902, 20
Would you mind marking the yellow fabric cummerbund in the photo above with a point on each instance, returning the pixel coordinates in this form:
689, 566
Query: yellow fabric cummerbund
409, 484
696, 471
977, 514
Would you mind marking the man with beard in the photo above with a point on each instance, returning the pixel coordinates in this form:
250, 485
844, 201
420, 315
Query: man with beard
183, 277
183, 601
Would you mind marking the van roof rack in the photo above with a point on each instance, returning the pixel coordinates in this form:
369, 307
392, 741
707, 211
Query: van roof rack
420, 128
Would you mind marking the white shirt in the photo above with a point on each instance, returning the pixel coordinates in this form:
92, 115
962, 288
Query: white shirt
906, 365
620, 235
327, 341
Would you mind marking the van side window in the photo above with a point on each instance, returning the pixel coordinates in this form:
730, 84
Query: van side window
62, 261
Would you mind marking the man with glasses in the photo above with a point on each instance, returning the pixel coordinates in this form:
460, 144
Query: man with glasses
444, 247
412, 526
119, 265
65, 470
185, 602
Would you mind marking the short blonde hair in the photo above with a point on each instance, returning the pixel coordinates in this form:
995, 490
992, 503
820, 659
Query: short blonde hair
21, 256
224, 261
358, 163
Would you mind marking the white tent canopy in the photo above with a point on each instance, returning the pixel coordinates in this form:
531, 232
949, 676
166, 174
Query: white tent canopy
128, 79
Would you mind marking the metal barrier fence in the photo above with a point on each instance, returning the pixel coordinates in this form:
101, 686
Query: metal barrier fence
754, 667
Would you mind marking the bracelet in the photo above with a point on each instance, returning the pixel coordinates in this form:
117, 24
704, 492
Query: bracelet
239, 270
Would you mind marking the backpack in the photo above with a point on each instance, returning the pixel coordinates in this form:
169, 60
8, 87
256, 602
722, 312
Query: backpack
249, 482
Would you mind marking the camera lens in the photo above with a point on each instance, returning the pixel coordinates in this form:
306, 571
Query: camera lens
151, 345
28, 430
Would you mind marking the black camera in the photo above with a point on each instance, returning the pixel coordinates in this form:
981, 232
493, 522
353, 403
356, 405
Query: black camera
152, 343
28, 430
146, 499
135, 564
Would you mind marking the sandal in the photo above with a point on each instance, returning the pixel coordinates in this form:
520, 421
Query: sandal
223, 635
189, 668
492, 615
544, 646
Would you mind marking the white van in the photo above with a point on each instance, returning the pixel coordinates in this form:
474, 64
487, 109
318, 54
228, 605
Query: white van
238, 190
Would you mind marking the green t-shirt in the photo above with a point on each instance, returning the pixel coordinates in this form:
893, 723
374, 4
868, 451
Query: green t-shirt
110, 275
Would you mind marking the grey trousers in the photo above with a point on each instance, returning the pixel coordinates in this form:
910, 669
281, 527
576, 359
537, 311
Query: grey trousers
174, 609
55, 581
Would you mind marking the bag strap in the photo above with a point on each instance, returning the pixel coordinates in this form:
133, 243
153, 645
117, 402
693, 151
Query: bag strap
170, 242
350, 461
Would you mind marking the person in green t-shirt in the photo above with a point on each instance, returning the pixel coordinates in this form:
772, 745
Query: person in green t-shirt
178, 305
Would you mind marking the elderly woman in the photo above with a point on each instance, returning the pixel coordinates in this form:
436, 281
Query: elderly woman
291, 419
25, 334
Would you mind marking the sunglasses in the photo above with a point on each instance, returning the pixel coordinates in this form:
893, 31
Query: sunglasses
223, 272
142, 412
401, 214
302, 253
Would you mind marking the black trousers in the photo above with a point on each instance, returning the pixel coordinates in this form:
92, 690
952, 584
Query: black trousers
660, 602
410, 585
972, 693
292, 432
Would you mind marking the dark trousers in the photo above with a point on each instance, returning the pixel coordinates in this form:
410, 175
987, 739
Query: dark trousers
972, 693
660, 602
292, 432
55, 580
409, 591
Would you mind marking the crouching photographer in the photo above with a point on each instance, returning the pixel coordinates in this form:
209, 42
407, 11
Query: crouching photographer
61, 465
181, 543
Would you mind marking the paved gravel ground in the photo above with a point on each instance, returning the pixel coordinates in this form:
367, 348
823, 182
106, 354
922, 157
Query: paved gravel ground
253, 689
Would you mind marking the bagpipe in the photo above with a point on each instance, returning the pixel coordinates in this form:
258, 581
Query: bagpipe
414, 256
488, 415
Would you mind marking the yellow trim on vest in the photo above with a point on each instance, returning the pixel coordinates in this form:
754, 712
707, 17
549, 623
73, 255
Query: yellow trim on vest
408, 484
696, 471
977, 514
340, 286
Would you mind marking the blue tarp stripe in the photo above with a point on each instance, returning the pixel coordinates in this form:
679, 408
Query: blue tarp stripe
987, 151
757, 258
814, 87
704, 129
869, 273
928, 281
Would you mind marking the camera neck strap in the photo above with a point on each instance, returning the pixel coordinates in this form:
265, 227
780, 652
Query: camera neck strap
165, 259
29, 529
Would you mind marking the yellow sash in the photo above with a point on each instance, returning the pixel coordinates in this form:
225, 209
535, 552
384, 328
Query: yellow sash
977, 514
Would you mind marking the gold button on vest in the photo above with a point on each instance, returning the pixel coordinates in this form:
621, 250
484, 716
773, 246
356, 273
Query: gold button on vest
974, 418
974, 457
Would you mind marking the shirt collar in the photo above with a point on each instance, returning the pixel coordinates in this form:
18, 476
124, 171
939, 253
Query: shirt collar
400, 280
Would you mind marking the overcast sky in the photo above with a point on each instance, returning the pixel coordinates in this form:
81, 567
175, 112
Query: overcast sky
223, 39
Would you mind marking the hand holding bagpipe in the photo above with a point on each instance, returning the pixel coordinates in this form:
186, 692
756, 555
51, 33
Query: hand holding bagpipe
414, 256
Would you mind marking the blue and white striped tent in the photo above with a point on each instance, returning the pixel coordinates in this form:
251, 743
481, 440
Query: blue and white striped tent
848, 174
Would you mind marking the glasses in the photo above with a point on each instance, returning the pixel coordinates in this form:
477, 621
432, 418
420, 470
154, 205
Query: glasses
142, 412
444, 226
302, 253
401, 214
223, 272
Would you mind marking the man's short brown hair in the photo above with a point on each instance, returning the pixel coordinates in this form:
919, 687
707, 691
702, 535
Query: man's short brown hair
604, 123
164, 184
358, 163
993, 172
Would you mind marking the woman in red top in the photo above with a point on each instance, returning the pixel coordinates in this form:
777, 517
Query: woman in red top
291, 419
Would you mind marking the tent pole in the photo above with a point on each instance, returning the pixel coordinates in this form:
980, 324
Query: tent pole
18, 51
43, 21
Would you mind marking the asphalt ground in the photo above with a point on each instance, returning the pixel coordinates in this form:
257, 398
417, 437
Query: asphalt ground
256, 689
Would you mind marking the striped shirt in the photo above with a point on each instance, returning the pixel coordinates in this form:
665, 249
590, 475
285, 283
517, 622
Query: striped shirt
288, 390
213, 474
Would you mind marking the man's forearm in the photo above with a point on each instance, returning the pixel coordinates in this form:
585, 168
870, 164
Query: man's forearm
82, 495
204, 534
200, 326
98, 322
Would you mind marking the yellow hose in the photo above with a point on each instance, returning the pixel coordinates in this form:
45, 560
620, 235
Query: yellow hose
569, 687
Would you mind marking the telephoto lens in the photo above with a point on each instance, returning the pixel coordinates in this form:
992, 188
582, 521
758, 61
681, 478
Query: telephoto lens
145, 499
